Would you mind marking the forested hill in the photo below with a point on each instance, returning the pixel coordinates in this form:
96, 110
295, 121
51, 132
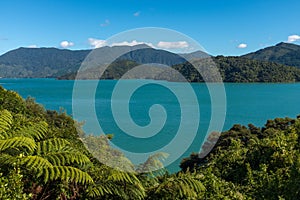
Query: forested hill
272, 64
40, 62
52, 62
232, 69
237, 69
283, 53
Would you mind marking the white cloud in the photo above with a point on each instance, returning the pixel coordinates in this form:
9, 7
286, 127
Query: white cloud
96, 43
173, 45
293, 38
242, 46
66, 44
32, 46
106, 23
132, 43
136, 14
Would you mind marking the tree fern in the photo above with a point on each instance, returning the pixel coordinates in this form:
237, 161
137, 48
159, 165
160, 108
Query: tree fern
180, 186
17, 143
69, 173
36, 131
51, 158
5, 122
36, 163
109, 183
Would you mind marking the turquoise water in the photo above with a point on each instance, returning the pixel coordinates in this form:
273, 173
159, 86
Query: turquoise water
246, 103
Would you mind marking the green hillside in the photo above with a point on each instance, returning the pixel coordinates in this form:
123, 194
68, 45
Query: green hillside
237, 69
272, 64
283, 53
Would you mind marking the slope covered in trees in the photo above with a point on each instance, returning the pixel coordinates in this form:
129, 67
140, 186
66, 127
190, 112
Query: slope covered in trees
40, 62
52, 62
267, 65
236, 69
255, 163
232, 69
283, 53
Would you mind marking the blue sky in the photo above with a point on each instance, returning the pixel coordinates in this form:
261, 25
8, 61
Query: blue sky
220, 26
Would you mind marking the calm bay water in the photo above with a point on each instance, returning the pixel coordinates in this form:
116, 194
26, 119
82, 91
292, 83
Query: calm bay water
246, 103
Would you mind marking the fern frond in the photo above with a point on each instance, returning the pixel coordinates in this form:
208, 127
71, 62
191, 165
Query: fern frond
98, 190
68, 173
36, 163
6, 159
115, 189
181, 186
6, 120
37, 130
17, 143
116, 175
66, 158
52, 145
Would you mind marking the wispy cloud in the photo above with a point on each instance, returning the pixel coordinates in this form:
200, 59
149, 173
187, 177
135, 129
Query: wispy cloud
293, 38
106, 23
32, 46
136, 14
96, 43
172, 45
242, 46
66, 44
132, 43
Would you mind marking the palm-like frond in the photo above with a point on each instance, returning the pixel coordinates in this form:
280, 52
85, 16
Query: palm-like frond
36, 163
116, 175
28, 146
5, 122
52, 145
17, 143
112, 182
182, 186
66, 158
67, 173
36, 131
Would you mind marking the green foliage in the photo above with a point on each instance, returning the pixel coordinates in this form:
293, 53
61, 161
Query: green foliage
283, 53
237, 69
253, 163
11, 186
40, 62
177, 186
46, 159
267, 65
110, 183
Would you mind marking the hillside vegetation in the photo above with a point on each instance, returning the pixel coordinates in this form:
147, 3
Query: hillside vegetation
236, 69
43, 157
283, 53
278, 63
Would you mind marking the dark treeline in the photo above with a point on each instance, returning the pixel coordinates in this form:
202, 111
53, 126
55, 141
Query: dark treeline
231, 69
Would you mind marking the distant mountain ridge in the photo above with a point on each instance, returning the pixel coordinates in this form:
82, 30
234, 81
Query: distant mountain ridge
282, 53
40, 62
52, 62
258, 66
